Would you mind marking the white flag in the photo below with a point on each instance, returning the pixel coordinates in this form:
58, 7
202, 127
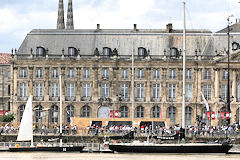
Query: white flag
205, 101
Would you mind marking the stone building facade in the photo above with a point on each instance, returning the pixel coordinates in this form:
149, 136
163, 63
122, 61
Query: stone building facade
96, 67
5, 83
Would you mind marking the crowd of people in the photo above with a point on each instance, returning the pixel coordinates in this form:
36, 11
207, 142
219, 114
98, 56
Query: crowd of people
203, 130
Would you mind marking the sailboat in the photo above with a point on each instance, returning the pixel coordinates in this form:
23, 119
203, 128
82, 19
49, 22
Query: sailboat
140, 147
26, 133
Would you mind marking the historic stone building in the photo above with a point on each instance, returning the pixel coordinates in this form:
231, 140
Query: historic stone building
96, 73
5, 82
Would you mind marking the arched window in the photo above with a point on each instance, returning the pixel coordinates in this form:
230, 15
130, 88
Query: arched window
38, 110
72, 51
103, 112
156, 112
21, 110
142, 52
172, 114
140, 112
124, 111
85, 111
188, 116
54, 114
106, 51
70, 112
40, 52
174, 52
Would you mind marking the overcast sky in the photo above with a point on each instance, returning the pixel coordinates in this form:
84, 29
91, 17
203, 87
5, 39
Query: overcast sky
18, 17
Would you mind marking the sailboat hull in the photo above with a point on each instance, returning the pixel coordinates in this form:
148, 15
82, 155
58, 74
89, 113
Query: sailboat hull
171, 148
47, 149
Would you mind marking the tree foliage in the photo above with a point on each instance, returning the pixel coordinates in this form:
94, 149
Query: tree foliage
8, 118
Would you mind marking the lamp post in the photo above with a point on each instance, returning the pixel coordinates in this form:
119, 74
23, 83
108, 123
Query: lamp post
228, 69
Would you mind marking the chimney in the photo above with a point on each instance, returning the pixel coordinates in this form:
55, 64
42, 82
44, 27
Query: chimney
98, 27
135, 27
70, 24
169, 28
60, 20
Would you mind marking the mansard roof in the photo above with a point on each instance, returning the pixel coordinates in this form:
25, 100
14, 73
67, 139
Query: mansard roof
157, 41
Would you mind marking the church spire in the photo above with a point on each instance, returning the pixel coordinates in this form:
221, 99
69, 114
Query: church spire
60, 20
70, 24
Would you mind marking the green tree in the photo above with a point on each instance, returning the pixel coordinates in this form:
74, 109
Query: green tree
8, 118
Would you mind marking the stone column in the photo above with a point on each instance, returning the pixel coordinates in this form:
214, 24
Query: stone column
148, 86
164, 86
15, 91
78, 84
30, 82
234, 85
199, 84
216, 84
46, 92
94, 87
179, 86
62, 72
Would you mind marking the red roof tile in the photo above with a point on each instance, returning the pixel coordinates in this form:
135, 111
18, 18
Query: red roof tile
5, 58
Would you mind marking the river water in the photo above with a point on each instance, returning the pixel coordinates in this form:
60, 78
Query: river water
112, 156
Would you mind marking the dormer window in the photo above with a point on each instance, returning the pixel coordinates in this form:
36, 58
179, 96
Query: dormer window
72, 51
142, 52
174, 52
106, 51
40, 52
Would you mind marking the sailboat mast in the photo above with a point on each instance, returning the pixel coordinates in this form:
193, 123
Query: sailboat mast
60, 92
184, 67
132, 83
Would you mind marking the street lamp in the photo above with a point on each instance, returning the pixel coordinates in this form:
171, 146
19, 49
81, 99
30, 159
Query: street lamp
228, 62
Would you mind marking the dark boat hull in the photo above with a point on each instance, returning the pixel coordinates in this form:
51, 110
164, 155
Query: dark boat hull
47, 149
171, 148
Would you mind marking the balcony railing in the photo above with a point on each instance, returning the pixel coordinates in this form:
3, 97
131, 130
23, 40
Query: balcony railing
139, 99
188, 99
86, 98
156, 99
54, 98
68, 98
22, 98
37, 98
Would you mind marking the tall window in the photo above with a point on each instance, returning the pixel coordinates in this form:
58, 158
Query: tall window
188, 74
156, 90
124, 74
54, 114
70, 73
124, 90
188, 94
105, 73
172, 74
224, 91
70, 90
156, 112
156, 74
54, 73
225, 74
23, 90
38, 111
39, 90
23, 73
72, 51
124, 112
85, 111
172, 114
207, 74
9, 75
86, 90
106, 51
105, 90
86, 73
70, 113
140, 90
238, 92
172, 92
140, 74
207, 91
188, 116
39, 73
141, 51
54, 89
140, 112
21, 110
